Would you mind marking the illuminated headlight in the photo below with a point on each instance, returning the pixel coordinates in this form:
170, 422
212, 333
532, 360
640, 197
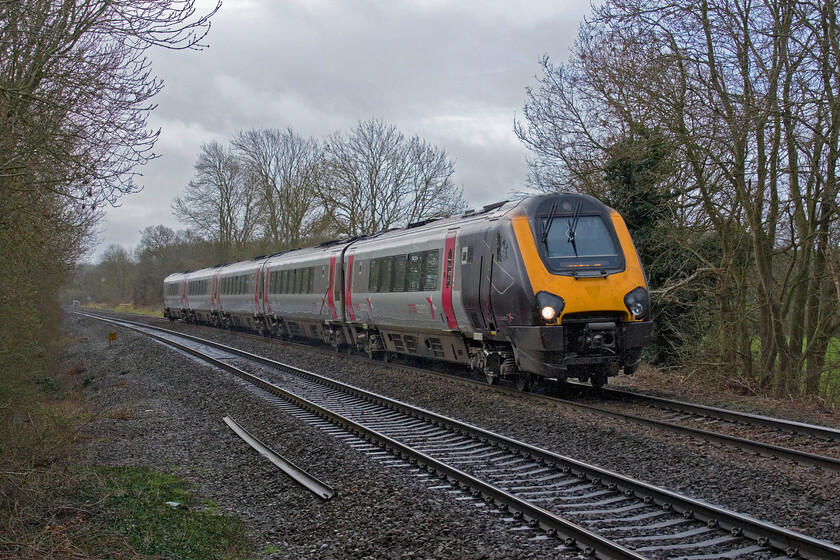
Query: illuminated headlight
549, 306
638, 303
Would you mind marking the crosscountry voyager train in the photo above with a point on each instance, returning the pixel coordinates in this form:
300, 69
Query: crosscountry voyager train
548, 286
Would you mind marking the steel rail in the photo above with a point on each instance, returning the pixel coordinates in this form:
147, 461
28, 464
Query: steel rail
737, 523
765, 449
310, 482
587, 541
781, 424
726, 414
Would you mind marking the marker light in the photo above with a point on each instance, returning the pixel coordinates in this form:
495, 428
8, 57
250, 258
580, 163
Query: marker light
548, 313
549, 306
638, 303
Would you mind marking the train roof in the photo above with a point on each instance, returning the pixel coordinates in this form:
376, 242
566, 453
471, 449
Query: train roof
527, 205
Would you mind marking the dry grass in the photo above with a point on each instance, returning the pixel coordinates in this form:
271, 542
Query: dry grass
124, 412
53, 505
149, 311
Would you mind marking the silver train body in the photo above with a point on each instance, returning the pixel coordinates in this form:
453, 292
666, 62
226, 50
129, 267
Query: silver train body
498, 290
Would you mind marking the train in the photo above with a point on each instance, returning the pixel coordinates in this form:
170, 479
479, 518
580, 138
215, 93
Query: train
548, 287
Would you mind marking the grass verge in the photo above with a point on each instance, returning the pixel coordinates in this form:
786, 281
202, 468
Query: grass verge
55, 505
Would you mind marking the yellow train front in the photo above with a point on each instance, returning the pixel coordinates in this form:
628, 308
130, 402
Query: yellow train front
555, 289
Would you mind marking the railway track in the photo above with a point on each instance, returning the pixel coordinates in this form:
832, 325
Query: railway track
600, 512
797, 442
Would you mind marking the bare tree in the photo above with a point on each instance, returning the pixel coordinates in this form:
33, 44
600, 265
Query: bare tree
375, 178
747, 95
76, 90
283, 168
117, 270
217, 202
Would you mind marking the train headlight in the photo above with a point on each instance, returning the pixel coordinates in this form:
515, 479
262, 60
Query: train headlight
638, 303
550, 306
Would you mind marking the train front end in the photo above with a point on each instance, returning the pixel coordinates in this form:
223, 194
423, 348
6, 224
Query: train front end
590, 306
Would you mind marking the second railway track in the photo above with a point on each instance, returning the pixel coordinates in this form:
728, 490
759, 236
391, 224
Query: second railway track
554, 492
802, 443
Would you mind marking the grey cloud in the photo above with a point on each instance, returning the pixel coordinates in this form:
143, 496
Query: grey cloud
452, 72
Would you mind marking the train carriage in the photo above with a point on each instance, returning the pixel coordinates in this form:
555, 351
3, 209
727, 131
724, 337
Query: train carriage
199, 296
302, 295
549, 286
174, 306
237, 295
403, 292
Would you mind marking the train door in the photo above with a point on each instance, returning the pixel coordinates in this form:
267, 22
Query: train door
335, 285
448, 280
485, 288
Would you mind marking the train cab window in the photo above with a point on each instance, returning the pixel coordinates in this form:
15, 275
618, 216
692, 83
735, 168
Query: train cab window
415, 272
373, 279
574, 242
430, 270
400, 268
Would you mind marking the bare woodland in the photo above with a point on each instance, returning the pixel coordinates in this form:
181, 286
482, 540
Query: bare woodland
274, 189
76, 90
721, 120
712, 126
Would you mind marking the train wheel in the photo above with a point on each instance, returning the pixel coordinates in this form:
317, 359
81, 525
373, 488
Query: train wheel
598, 379
524, 382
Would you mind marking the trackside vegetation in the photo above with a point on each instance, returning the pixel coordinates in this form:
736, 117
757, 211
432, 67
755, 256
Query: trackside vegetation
53, 504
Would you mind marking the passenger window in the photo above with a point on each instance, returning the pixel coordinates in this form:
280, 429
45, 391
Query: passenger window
430, 270
373, 280
415, 271
310, 286
298, 278
399, 273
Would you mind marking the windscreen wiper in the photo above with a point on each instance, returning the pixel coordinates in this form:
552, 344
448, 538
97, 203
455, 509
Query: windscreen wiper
572, 226
547, 227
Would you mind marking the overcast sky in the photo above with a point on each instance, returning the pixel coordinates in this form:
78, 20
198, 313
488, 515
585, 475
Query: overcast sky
453, 72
